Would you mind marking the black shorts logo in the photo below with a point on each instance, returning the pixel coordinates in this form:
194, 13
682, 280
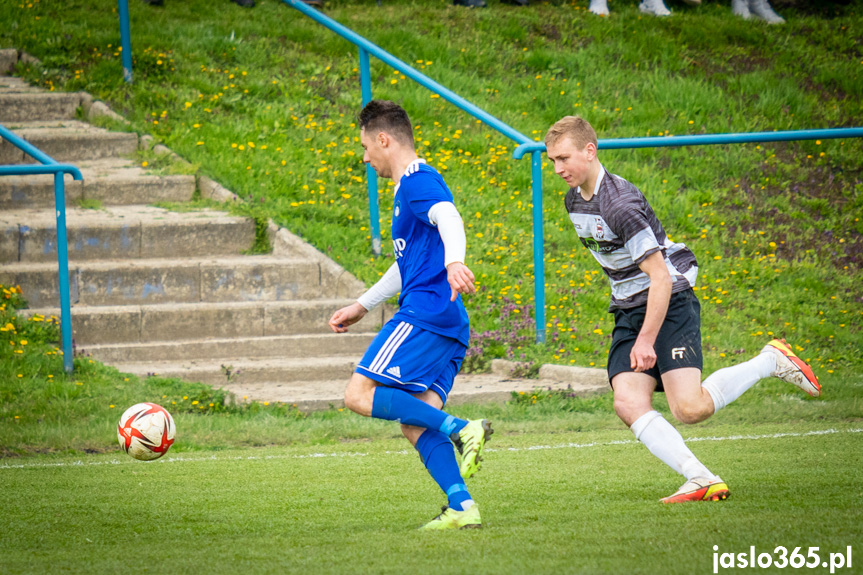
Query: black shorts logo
677, 352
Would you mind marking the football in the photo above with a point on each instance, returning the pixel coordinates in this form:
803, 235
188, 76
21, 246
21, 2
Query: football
146, 431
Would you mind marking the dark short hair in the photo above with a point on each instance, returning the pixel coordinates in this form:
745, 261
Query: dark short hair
388, 117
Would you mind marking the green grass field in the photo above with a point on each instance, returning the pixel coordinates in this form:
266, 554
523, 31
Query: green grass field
262, 488
584, 503
263, 101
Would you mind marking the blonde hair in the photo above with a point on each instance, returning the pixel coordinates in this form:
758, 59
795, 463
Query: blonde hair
575, 128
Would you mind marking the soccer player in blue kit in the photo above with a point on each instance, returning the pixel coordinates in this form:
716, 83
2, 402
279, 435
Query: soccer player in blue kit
408, 370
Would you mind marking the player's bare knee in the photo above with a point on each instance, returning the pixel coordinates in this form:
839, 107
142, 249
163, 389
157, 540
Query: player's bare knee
350, 399
628, 411
620, 408
356, 400
689, 413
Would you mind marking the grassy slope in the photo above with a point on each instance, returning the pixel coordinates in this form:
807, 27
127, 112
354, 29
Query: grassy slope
213, 85
263, 100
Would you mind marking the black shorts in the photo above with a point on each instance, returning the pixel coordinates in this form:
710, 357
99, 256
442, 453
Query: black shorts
677, 345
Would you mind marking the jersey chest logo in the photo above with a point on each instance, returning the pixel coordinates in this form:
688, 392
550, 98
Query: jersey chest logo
598, 230
397, 209
399, 245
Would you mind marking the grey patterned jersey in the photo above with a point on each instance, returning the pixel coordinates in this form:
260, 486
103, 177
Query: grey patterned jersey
619, 228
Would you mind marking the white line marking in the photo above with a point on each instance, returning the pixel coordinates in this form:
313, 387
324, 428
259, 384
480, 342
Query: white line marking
184, 459
688, 440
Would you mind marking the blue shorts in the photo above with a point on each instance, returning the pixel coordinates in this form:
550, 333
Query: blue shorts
410, 358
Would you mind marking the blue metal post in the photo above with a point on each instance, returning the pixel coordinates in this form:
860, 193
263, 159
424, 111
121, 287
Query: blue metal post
538, 252
125, 39
63, 261
371, 175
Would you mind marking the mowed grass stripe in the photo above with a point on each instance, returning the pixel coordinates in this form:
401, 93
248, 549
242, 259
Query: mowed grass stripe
317, 455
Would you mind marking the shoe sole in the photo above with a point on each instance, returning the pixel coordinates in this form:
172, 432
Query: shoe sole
782, 346
715, 492
470, 526
487, 432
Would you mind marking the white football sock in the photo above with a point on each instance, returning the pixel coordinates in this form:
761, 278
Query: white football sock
729, 383
599, 7
741, 8
655, 7
666, 443
763, 10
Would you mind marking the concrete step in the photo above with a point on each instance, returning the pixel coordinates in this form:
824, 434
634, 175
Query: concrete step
306, 396
111, 181
11, 84
152, 323
23, 105
67, 141
305, 345
219, 372
468, 388
142, 282
8, 61
119, 232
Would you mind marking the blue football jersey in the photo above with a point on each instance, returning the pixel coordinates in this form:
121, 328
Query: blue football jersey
425, 296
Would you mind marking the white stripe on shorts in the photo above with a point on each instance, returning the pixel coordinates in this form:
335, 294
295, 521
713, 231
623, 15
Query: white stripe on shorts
396, 338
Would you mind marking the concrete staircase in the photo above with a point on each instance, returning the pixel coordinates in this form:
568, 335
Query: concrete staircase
167, 293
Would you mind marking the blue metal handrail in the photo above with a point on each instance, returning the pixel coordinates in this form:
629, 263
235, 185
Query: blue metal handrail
707, 139
366, 48
50, 166
526, 145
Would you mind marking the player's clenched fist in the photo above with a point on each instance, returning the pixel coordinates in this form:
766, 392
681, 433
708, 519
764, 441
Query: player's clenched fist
642, 357
347, 316
460, 279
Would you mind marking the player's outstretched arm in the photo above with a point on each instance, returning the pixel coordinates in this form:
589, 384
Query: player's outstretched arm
643, 355
346, 316
386, 287
460, 279
451, 229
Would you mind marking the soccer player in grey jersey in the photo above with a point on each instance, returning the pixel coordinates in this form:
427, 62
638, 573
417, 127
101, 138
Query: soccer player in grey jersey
656, 344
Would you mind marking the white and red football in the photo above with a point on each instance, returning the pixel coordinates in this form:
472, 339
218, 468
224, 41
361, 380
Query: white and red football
146, 431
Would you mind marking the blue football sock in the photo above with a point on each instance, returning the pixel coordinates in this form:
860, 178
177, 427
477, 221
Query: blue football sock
437, 454
397, 405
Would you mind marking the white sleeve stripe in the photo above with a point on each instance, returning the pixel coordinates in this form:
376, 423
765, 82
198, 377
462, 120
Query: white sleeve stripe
641, 243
